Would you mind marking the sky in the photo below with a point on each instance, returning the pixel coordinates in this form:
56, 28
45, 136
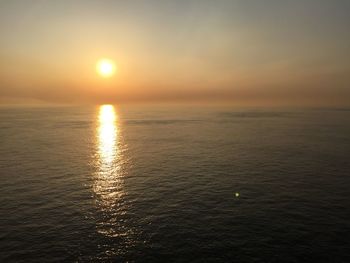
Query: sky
237, 52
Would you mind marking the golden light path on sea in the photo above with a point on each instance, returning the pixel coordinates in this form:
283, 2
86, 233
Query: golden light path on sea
108, 181
107, 136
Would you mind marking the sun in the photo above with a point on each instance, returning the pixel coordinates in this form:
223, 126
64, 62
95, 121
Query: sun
105, 67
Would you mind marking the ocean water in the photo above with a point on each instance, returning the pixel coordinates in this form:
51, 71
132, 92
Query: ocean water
128, 184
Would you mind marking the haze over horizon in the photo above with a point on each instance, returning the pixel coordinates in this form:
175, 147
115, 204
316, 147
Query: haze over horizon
236, 52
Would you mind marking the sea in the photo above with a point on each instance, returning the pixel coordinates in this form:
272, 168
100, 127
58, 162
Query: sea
113, 183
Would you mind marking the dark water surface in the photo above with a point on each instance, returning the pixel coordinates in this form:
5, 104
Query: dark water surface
159, 185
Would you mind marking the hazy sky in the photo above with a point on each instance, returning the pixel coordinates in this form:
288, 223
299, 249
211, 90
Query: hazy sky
243, 52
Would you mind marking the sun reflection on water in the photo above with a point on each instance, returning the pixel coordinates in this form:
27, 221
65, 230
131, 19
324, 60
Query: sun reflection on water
107, 136
108, 181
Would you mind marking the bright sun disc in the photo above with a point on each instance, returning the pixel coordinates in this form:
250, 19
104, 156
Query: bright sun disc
105, 67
